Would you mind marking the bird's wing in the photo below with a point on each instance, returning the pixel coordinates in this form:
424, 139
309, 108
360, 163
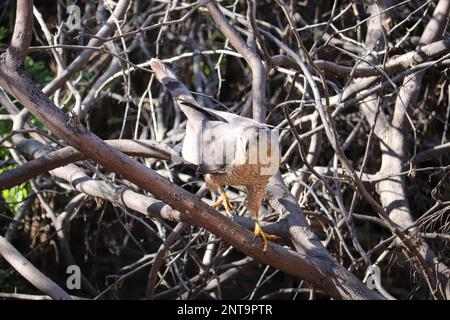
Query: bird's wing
212, 146
204, 111
211, 135
229, 117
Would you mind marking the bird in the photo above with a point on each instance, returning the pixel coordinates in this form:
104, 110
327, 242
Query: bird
230, 150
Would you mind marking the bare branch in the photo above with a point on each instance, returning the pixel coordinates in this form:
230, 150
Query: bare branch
30, 272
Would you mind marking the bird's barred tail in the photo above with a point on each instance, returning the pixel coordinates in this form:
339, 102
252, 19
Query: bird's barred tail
177, 89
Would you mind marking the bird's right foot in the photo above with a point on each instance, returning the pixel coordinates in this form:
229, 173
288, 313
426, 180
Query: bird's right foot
258, 232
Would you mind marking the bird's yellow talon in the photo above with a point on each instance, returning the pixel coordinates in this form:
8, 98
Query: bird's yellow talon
258, 232
225, 202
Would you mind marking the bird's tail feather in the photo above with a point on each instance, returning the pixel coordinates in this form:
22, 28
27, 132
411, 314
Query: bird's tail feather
177, 89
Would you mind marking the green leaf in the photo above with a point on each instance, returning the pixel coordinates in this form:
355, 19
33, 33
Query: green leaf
4, 33
38, 71
15, 196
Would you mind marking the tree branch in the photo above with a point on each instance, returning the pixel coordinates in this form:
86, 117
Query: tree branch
252, 58
30, 272
21, 37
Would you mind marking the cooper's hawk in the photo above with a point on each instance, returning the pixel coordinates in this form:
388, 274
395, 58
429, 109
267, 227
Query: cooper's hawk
228, 149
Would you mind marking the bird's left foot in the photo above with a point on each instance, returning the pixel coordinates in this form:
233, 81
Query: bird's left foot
258, 232
225, 201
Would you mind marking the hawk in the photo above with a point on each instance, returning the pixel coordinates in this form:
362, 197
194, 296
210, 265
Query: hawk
228, 149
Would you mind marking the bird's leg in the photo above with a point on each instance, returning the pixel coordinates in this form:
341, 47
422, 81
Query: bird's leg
255, 197
225, 201
258, 232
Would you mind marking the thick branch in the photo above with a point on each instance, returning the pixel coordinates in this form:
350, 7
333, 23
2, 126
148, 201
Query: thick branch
64, 156
23, 29
252, 58
393, 139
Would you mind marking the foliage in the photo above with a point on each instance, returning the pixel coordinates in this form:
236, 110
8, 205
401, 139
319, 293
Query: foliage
38, 70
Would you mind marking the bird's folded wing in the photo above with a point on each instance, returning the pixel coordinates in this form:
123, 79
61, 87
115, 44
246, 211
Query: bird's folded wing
229, 117
212, 146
